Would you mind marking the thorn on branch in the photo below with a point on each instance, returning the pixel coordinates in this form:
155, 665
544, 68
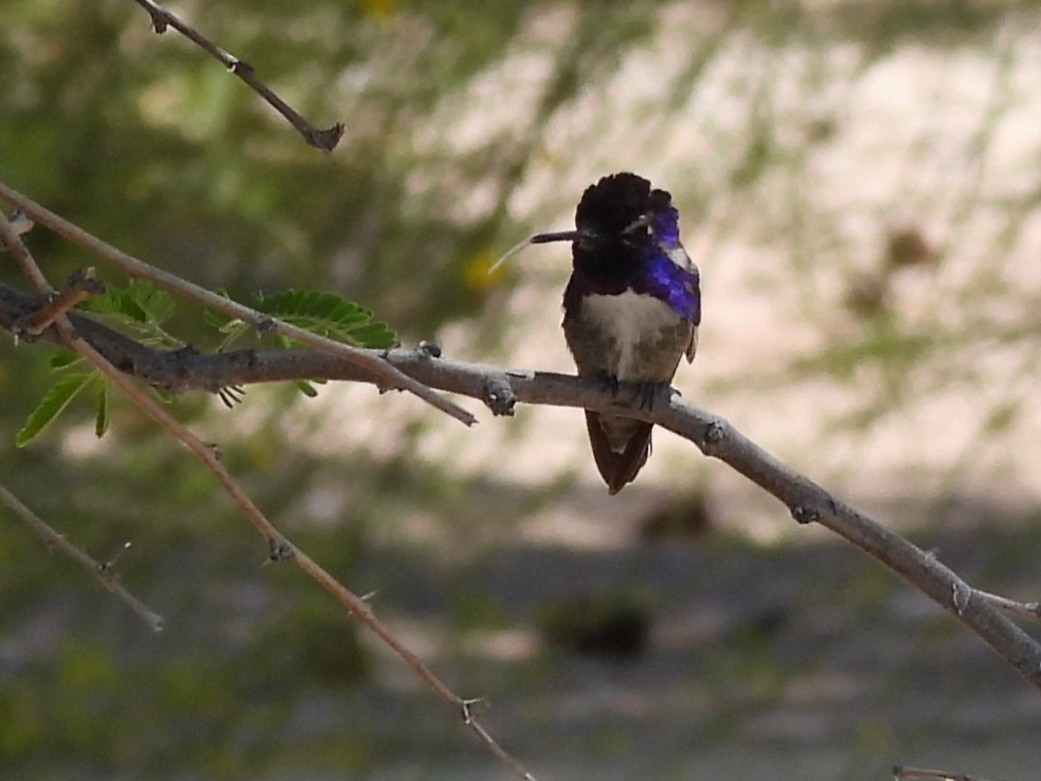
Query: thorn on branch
280, 549
804, 515
961, 593
498, 395
108, 568
240, 67
158, 16
161, 19
103, 571
470, 709
326, 139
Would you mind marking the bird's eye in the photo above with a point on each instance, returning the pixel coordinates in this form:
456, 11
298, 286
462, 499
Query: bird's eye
641, 222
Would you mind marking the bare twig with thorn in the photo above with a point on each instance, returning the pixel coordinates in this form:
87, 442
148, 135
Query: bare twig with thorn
281, 549
1031, 611
326, 140
104, 572
83, 284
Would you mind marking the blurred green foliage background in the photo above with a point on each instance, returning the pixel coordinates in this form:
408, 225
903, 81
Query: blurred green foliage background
869, 283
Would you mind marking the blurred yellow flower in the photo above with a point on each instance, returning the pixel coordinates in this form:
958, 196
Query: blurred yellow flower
381, 9
475, 271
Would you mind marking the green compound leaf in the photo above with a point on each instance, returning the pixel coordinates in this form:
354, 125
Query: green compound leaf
140, 301
330, 315
140, 308
51, 405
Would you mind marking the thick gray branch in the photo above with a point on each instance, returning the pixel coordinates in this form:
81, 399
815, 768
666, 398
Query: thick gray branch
182, 370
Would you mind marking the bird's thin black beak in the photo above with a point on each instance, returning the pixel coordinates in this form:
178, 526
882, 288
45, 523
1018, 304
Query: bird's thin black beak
546, 238
542, 238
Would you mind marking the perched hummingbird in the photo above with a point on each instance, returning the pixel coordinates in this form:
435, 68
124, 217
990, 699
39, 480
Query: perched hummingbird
631, 308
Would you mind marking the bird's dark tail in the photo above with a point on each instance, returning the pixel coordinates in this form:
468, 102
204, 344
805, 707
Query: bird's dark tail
620, 447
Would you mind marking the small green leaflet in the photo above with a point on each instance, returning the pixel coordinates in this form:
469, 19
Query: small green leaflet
59, 396
64, 358
51, 405
101, 418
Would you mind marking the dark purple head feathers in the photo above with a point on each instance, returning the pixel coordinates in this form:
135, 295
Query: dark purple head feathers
628, 237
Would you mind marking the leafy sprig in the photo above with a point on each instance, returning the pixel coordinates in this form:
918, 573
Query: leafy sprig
141, 310
325, 314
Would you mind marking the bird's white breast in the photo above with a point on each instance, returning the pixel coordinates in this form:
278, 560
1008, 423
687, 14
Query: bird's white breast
629, 318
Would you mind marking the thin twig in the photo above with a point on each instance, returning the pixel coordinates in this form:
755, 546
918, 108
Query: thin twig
104, 573
19, 223
360, 610
1030, 611
900, 773
82, 285
279, 546
326, 140
13, 243
384, 374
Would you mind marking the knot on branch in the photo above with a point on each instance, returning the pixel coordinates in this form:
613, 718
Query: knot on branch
159, 20
239, 67
714, 433
427, 349
961, 593
498, 395
107, 569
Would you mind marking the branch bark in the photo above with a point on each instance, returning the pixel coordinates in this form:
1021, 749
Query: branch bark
501, 389
138, 269
280, 548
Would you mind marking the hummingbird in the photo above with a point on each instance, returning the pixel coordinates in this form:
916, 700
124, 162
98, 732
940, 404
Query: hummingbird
631, 307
